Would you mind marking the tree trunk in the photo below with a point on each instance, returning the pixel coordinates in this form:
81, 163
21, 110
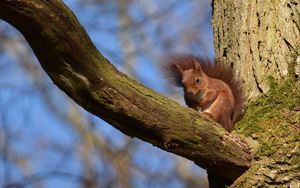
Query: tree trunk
258, 38
261, 39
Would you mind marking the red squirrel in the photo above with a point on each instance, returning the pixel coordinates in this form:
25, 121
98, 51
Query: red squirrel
209, 87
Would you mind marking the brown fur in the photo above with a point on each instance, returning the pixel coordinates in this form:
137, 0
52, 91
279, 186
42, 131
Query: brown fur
218, 91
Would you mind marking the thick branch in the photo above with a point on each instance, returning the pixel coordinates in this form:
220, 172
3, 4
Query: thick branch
74, 64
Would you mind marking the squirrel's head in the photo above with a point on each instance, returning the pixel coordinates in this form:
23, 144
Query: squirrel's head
192, 79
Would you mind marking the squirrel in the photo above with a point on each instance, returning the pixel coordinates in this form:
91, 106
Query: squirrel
209, 87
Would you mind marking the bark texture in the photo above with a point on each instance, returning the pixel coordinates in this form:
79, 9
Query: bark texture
74, 64
258, 37
261, 39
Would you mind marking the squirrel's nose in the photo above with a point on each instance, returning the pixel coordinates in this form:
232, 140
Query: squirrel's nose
190, 92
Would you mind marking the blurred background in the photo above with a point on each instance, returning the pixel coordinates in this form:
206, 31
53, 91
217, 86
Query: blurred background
46, 140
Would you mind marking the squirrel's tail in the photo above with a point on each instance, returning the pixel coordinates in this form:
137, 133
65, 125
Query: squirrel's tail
214, 69
226, 73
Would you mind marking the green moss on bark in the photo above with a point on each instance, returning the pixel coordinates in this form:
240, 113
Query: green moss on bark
274, 121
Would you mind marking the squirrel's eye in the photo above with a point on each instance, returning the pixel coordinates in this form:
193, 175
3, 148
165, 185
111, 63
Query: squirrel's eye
197, 80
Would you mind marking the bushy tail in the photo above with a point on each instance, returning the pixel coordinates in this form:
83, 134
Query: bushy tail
214, 69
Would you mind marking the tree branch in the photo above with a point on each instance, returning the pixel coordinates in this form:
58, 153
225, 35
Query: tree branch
74, 64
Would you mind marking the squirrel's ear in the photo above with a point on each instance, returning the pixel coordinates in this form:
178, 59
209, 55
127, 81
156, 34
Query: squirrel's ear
178, 68
197, 67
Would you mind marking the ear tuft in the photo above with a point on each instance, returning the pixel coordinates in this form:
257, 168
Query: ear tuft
197, 67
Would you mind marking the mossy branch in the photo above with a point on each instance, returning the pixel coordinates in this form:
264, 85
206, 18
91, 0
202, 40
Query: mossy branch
71, 60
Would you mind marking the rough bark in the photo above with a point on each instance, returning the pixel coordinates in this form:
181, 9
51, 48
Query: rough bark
261, 39
74, 64
258, 38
